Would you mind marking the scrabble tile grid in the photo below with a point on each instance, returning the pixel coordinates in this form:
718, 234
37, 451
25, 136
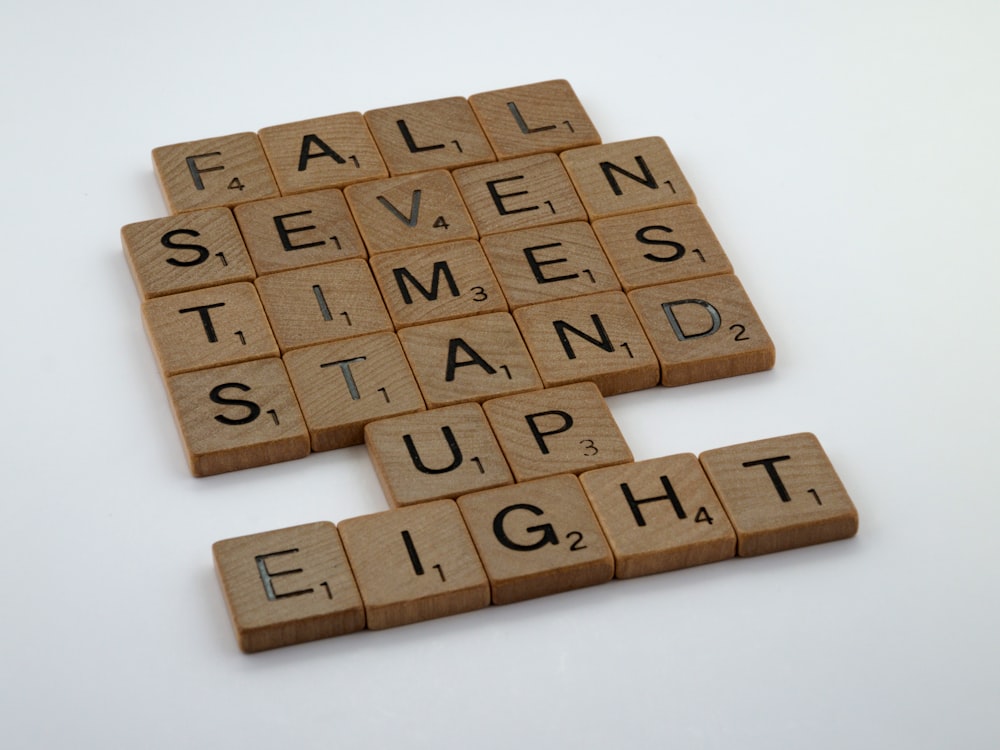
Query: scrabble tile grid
613, 217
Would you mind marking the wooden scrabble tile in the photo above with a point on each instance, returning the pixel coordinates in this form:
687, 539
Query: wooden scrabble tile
661, 246
780, 493
596, 338
414, 564
288, 586
185, 252
472, 359
565, 430
534, 118
299, 230
323, 152
527, 192
238, 416
627, 176
659, 515
400, 212
208, 327
703, 329
434, 454
438, 134
222, 171
344, 385
322, 303
551, 262
537, 538
437, 282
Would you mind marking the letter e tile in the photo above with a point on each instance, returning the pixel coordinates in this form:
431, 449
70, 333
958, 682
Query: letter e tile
780, 493
288, 586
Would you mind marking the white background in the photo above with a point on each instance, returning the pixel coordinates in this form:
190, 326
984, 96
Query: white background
846, 155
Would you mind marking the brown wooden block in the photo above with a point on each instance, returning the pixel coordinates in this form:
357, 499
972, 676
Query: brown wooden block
659, 515
438, 134
434, 454
534, 118
400, 212
661, 246
288, 586
780, 493
185, 252
222, 171
323, 152
299, 230
596, 338
469, 360
438, 282
238, 416
547, 263
627, 176
566, 430
208, 327
415, 564
703, 329
323, 303
527, 192
537, 538
342, 386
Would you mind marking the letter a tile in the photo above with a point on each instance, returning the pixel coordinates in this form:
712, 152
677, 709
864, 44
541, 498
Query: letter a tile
780, 493
288, 586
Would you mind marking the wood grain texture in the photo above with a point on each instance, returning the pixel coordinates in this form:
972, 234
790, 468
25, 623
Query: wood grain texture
342, 386
537, 538
659, 515
414, 564
288, 586
222, 171
238, 417
703, 329
434, 454
534, 118
322, 152
780, 493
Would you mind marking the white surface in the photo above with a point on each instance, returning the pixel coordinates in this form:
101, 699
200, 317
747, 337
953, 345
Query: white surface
846, 155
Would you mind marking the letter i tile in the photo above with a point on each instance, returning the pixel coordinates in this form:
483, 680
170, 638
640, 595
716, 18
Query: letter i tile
414, 564
288, 586
780, 493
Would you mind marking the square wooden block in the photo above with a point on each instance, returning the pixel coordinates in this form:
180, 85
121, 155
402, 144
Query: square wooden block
237, 417
299, 231
438, 134
547, 263
222, 171
527, 192
207, 327
437, 282
537, 538
661, 246
659, 515
596, 338
703, 329
780, 493
342, 386
627, 176
323, 303
190, 251
323, 152
566, 430
414, 564
534, 118
288, 586
472, 359
401, 212
435, 454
